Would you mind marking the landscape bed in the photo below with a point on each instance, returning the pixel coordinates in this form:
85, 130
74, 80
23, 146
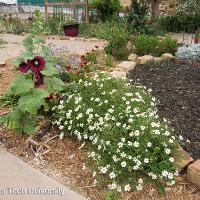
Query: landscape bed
177, 87
66, 162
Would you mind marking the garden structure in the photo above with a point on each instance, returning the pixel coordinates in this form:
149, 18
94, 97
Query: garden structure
110, 109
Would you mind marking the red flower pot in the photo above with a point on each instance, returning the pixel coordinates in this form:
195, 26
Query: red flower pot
71, 30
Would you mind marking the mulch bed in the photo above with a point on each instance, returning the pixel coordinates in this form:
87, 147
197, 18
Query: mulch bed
177, 87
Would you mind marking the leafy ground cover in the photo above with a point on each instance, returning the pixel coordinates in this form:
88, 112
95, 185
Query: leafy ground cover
119, 122
176, 86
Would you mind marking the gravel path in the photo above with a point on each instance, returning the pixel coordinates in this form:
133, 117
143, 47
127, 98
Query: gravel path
14, 46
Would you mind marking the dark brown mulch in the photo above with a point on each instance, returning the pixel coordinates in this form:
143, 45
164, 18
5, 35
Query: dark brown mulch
177, 87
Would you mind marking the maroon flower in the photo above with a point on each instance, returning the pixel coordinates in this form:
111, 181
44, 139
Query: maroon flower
23, 67
39, 79
83, 57
50, 97
69, 68
37, 64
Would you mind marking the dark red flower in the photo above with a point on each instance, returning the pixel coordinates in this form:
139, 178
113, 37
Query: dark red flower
23, 67
69, 68
50, 97
37, 64
83, 57
39, 79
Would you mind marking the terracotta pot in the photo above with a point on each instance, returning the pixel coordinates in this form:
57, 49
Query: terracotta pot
71, 30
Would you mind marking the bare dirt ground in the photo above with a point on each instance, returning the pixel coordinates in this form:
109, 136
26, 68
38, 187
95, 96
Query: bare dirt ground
14, 47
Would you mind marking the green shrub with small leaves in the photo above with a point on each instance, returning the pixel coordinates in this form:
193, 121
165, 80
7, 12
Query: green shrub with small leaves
126, 140
180, 23
107, 9
145, 45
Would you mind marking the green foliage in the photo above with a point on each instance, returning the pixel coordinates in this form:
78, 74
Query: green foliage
25, 98
117, 36
145, 45
126, 139
107, 9
111, 195
91, 57
38, 26
13, 25
138, 15
21, 85
180, 22
108, 60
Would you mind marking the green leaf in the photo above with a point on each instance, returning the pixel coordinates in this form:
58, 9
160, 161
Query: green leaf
28, 42
40, 93
21, 85
19, 121
46, 50
17, 61
31, 103
14, 120
54, 84
29, 125
3, 119
38, 40
26, 55
49, 70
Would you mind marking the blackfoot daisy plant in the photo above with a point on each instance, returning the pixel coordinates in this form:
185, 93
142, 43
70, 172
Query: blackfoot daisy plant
129, 142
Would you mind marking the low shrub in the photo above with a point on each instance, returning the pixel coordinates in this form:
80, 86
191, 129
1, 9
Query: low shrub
117, 36
189, 52
179, 23
145, 44
126, 140
107, 9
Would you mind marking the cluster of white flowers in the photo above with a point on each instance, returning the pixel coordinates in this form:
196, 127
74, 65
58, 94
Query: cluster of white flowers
122, 124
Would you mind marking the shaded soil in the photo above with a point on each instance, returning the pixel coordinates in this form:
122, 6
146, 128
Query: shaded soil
177, 87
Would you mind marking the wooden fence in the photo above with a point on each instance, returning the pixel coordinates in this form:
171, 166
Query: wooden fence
74, 10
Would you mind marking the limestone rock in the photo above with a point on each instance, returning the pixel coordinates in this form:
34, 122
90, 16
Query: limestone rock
193, 173
144, 59
182, 159
118, 73
157, 59
127, 65
132, 57
167, 56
